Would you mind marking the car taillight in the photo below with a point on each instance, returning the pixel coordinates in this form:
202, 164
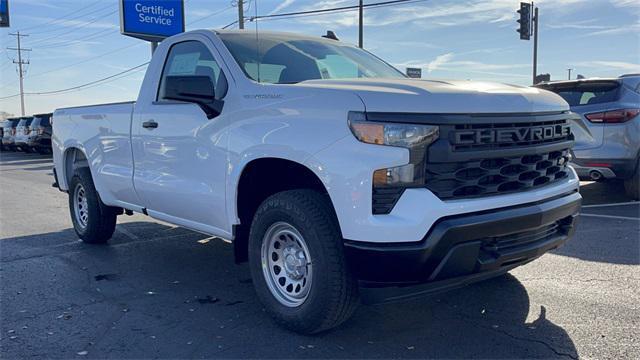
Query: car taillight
27, 130
613, 116
13, 132
40, 131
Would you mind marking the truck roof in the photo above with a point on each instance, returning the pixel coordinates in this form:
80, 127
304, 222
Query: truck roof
274, 35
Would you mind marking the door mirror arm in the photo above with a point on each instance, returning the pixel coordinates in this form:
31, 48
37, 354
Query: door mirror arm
211, 107
194, 89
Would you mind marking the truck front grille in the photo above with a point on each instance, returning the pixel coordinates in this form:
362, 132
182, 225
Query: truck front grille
485, 131
498, 154
496, 175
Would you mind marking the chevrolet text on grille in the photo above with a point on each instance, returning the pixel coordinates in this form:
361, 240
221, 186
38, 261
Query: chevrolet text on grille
510, 135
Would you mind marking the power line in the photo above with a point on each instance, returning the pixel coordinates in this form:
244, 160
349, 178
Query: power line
62, 22
76, 28
256, 17
69, 42
109, 52
86, 60
318, 12
79, 86
210, 15
61, 18
336, 9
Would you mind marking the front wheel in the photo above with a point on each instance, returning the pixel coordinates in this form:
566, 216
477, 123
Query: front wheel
93, 221
297, 262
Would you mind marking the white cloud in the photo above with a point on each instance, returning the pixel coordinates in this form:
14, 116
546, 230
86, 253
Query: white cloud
445, 63
281, 6
626, 3
621, 65
628, 29
440, 13
439, 61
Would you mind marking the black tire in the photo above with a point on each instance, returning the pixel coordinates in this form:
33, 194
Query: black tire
632, 185
333, 293
101, 219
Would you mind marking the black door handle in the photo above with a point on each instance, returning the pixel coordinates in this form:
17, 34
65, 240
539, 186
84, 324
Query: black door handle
150, 124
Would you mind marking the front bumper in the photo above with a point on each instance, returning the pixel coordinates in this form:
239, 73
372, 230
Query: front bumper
462, 249
39, 142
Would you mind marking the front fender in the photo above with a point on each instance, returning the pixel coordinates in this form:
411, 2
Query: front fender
293, 130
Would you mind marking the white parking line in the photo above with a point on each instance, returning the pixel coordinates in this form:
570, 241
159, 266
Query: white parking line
610, 217
612, 204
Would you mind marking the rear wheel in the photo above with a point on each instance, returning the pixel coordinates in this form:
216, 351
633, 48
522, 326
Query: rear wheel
297, 262
93, 221
632, 185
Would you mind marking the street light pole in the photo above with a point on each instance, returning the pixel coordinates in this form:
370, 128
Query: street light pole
569, 73
360, 25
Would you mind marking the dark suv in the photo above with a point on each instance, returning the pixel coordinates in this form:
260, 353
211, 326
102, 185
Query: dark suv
8, 133
40, 134
608, 131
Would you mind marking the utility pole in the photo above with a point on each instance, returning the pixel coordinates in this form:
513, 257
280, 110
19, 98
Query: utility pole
360, 25
535, 44
241, 14
569, 74
20, 63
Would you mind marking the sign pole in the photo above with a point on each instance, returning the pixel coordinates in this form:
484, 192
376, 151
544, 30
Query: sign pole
154, 46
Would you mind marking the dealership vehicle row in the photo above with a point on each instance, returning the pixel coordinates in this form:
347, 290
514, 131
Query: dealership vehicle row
28, 134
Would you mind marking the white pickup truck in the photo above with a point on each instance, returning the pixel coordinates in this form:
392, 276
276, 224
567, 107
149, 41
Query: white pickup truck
333, 174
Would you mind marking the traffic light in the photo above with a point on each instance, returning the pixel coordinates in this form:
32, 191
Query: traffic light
524, 21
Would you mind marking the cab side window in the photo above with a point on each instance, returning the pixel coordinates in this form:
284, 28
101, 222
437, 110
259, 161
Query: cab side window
192, 58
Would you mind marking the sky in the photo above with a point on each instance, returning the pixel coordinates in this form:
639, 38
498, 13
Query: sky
74, 42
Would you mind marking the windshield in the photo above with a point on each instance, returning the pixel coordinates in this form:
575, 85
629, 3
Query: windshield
586, 93
287, 59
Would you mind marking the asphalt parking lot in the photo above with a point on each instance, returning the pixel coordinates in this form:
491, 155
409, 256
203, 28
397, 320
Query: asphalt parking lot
158, 291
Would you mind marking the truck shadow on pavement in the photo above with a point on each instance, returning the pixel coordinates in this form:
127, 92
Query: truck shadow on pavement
604, 240
165, 292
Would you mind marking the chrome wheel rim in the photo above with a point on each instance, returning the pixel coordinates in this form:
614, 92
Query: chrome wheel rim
286, 264
80, 206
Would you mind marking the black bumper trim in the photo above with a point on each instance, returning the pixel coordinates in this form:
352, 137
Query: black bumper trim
622, 168
461, 248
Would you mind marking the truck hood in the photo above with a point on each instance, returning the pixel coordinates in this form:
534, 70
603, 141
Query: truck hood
433, 96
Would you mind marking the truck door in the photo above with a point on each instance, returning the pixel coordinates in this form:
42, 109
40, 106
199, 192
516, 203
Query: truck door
180, 152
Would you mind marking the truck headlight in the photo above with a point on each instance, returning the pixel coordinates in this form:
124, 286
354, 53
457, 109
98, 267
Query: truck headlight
409, 136
389, 183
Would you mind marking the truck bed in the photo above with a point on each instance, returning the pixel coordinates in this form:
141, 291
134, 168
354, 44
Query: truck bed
103, 132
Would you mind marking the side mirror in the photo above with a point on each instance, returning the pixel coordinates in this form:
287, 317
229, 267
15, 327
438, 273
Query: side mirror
194, 89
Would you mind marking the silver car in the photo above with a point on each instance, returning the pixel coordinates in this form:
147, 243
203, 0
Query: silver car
608, 132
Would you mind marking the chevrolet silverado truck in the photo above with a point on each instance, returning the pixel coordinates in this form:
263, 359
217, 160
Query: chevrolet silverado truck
336, 177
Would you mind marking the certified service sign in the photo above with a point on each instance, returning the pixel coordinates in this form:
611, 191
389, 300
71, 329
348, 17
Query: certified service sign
151, 20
